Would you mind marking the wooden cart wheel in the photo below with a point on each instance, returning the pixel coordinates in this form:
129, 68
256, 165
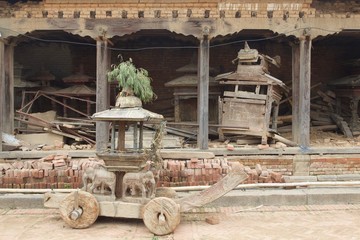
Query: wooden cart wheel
89, 209
161, 215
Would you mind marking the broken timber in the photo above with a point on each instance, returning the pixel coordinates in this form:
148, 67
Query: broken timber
344, 127
226, 184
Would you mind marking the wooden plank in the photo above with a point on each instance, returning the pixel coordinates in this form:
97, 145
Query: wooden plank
102, 90
230, 82
326, 98
243, 94
226, 184
343, 126
319, 107
203, 93
283, 140
120, 209
267, 114
63, 134
185, 154
325, 127
253, 101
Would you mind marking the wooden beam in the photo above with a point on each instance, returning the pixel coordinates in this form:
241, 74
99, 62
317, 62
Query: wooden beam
185, 154
295, 91
2, 89
102, 93
8, 118
203, 94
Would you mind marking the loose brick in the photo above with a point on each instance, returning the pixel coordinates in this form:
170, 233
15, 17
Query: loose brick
276, 177
48, 158
213, 220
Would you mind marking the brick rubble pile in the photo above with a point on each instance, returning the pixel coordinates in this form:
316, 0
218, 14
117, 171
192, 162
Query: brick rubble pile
60, 171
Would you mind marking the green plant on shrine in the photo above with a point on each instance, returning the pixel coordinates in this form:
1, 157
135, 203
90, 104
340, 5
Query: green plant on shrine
133, 81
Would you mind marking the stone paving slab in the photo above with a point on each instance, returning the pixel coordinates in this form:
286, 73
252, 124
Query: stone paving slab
261, 222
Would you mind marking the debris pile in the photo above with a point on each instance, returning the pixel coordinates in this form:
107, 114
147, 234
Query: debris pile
262, 175
61, 171
53, 171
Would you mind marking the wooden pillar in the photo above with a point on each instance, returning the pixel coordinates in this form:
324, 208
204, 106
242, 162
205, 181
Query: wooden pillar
301, 98
2, 83
203, 94
8, 116
295, 92
121, 136
102, 92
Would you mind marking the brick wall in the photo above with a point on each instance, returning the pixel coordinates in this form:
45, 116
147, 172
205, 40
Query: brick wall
283, 165
334, 165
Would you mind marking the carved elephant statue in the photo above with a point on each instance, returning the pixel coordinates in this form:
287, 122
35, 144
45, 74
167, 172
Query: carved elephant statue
97, 179
141, 181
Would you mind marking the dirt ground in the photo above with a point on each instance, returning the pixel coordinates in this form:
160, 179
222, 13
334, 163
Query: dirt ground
286, 222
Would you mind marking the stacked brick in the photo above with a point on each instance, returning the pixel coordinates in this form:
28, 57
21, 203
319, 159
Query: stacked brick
60, 171
53, 171
192, 172
263, 175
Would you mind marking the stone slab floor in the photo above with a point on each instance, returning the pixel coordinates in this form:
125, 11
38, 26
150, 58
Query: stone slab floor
288, 222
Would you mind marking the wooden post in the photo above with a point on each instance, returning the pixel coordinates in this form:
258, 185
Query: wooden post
8, 116
113, 129
2, 89
102, 94
304, 85
295, 92
135, 136
141, 135
203, 93
121, 136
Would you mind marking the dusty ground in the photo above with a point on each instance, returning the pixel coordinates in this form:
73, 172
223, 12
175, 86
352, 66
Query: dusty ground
300, 222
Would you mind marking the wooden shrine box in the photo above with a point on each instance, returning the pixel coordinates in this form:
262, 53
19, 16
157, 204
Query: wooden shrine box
185, 94
185, 98
251, 101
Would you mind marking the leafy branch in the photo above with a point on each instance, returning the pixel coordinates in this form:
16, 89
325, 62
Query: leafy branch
132, 80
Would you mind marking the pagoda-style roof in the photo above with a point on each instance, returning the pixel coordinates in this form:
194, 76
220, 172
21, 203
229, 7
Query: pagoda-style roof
134, 114
250, 76
348, 81
42, 75
188, 80
249, 69
77, 90
78, 77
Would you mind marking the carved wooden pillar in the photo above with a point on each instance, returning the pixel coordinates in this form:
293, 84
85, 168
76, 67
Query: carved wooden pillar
301, 91
2, 83
295, 91
8, 116
203, 93
102, 92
